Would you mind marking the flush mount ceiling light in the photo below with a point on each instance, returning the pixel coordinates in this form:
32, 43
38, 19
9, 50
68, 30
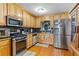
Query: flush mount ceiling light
40, 10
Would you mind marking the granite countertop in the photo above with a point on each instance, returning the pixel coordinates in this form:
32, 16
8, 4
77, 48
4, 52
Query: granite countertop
4, 37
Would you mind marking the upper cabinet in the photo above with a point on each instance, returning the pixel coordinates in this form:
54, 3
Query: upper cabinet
32, 21
38, 22
51, 18
26, 19
15, 10
75, 14
3, 11
11, 9
78, 17
56, 17
18, 12
63, 15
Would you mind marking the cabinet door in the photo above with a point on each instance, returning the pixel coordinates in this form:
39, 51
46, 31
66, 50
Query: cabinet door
5, 50
28, 20
77, 16
32, 21
11, 9
2, 13
56, 17
38, 22
62, 16
24, 19
29, 40
18, 12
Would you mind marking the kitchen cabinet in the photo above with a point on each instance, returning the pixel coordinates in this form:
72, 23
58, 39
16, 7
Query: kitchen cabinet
38, 22
5, 49
26, 19
15, 10
32, 21
18, 12
77, 11
62, 16
46, 38
3, 11
38, 37
12, 9
56, 17
29, 40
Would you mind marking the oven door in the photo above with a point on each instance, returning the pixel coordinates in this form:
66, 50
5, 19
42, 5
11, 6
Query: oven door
18, 46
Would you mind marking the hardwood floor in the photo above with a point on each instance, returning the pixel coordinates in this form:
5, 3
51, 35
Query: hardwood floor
49, 51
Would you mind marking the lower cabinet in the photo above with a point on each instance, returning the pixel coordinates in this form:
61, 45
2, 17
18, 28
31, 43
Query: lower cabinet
5, 47
29, 41
46, 38
5, 50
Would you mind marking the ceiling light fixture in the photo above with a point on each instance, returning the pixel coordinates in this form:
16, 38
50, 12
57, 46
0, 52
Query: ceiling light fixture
40, 10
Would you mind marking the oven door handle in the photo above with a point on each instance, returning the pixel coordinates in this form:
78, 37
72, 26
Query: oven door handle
21, 40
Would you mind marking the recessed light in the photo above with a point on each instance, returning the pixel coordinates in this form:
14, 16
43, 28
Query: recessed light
40, 10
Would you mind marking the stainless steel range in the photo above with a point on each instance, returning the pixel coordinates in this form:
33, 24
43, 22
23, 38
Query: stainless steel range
18, 41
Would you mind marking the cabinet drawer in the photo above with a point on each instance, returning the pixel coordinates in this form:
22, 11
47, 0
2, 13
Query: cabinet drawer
5, 50
4, 42
29, 45
29, 41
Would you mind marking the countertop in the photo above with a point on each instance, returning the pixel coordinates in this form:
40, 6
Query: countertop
4, 37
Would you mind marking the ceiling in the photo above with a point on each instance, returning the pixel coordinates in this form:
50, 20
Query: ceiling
50, 7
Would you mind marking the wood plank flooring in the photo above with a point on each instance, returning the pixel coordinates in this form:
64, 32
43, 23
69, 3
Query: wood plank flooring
49, 51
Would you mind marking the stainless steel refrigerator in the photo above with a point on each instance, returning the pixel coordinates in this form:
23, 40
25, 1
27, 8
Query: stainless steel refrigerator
62, 33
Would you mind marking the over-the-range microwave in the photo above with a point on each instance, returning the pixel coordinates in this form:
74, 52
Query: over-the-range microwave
12, 21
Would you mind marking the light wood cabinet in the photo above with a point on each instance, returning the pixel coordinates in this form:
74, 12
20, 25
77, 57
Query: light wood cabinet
5, 49
3, 11
77, 16
29, 40
12, 9
15, 10
62, 16
46, 38
38, 22
32, 21
18, 12
26, 19
56, 17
